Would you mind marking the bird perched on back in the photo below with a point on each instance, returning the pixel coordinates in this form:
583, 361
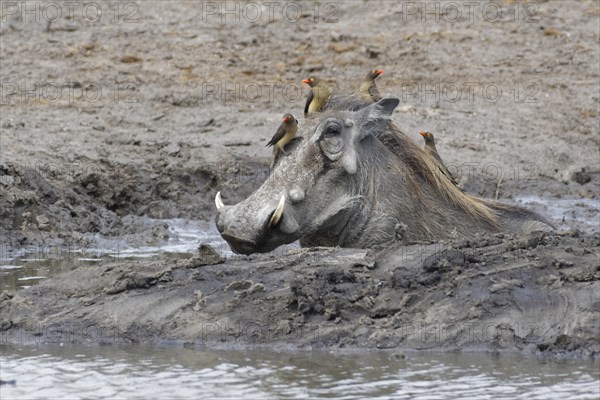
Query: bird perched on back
431, 150
319, 93
368, 89
286, 132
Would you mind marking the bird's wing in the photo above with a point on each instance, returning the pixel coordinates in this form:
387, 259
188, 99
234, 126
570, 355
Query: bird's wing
309, 100
374, 92
434, 154
438, 160
277, 136
448, 174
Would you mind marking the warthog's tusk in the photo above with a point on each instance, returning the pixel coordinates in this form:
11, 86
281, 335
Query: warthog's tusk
276, 217
219, 202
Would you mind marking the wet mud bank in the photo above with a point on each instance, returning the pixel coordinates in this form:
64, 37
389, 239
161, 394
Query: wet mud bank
536, 295
47, 205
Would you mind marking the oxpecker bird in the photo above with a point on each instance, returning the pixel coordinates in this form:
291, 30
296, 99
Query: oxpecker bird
319, 93
286, 132
368, 89
431, 150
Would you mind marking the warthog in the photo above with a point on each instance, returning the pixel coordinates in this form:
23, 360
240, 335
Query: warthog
354, 180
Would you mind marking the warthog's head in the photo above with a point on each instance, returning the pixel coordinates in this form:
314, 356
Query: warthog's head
311, 191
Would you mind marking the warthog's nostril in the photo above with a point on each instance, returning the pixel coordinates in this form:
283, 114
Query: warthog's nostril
296, 195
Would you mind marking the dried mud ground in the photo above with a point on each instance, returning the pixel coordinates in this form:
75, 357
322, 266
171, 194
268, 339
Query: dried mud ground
178, 116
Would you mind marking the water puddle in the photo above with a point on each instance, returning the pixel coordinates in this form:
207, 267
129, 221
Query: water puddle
566, 214
139, 372
22, 267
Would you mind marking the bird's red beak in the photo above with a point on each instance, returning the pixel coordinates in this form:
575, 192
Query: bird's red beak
379, 71
306, 81
284, 119
422, 134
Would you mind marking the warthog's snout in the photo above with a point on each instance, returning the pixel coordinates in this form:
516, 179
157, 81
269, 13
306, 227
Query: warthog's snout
249, 227
239, 245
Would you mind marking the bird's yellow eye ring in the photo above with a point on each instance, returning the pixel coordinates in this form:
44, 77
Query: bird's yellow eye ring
373, 71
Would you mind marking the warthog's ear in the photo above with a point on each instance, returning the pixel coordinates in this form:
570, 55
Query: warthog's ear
376, 116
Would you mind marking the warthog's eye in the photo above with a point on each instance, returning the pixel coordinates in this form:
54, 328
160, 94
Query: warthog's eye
331, 141
332, 130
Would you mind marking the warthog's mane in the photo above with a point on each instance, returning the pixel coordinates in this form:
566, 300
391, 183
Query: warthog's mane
421, 164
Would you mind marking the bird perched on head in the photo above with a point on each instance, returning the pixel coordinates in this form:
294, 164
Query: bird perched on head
319, 93
431, 150
368, 89
286, 132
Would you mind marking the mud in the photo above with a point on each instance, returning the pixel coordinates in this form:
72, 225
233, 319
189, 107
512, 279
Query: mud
536, 295
159, 143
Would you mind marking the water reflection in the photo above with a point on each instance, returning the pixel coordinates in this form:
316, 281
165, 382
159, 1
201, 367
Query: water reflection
26, 266
166, 372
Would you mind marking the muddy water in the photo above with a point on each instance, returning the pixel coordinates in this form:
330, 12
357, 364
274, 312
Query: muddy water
139, 372
566, 214
21, 268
